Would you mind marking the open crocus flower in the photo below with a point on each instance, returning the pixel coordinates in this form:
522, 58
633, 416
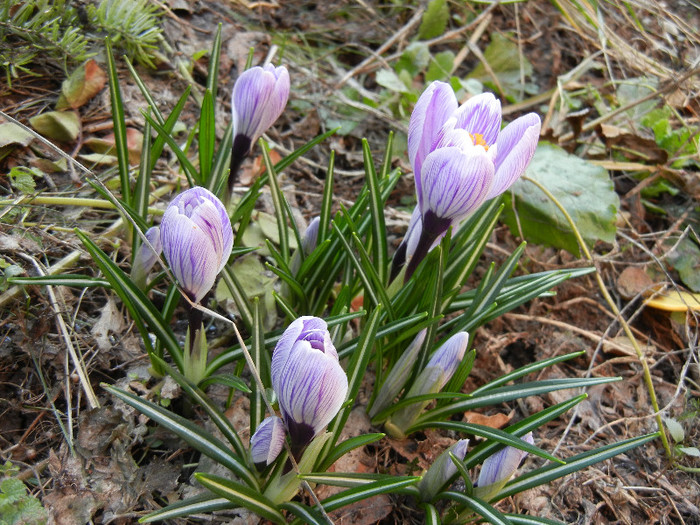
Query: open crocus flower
197, 239
309, 382
460, 158
267, 441
259, 97
433, 378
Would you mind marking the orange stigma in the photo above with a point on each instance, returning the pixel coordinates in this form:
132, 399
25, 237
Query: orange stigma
478, 140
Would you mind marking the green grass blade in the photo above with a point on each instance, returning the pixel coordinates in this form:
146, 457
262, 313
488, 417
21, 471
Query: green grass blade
242, 495
222, 163
520, 519
214, 60
187, 166
193, 435
238, 294
350, 496
278, 202
119, 123
207, 138
304, 513
376, 207
483, 509
257, 351
551, 472
346, 446
202, 504
75, 280
327, 202
431, 514
167, 127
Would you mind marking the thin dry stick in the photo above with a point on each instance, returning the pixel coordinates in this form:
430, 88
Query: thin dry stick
611, 303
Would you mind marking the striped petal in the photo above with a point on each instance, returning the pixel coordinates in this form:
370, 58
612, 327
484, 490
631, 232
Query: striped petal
481, 115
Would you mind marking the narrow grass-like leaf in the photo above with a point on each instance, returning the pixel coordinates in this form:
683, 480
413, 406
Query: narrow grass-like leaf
525, 370
520, 519
430, 514
195, 436
345, 479
217, 417
242, 495
187, 166
375, 278
327, 202
140, 307
287, 308
376, 207
304, 513
222, 162
168, 126
483, 509
228, 380
493, 434
207, 137
257, 350
75, 280
386, 161
287, 161
394, 327
394, 485
277, 201
238, 293
551, 472
214, 59
370, 291
312, 260
147, 92
131, 215
294, 286
462, 472
478, 454
511, 392
201, 504
143, 183
356, 372
346, 446
119, 124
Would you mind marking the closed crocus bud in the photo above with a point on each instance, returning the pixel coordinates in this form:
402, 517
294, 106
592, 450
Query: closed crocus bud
259, 97
310, 237
197, 240
441, 367
461, 158
267, 441
442, 470
309, 382
145, 257
498, 468
398, 375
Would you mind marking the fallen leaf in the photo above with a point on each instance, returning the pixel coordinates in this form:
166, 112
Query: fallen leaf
63, 126
633, 281
83, 84
495, 421
111, 320
107, 145
675, 301
12, 134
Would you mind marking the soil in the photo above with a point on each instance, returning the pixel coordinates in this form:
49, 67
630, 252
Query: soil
123, 467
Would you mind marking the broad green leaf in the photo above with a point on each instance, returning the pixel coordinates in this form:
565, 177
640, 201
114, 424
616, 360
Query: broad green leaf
22, 178
434, 20
505, 61
391, 81
675, 429
685, 259
83, 84
414, 59
583, 189
440, 66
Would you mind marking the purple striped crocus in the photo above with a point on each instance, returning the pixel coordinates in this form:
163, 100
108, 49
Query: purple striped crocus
259, 97
267, 441
460, 158
197, 239
309, 382
433, 378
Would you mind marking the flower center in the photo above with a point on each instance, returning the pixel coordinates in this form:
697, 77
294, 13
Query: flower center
478, 140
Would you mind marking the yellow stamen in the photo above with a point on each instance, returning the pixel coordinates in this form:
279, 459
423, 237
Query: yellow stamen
478, 140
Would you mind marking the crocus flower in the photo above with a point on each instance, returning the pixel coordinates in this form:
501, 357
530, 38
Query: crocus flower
145, 257
309, 382
197, 240
498, 468
267, 441
442, 470
460, 159
398, 375
440, 368
259, 97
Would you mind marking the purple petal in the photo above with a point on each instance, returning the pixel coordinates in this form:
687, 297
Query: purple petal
503, 464
146, 256
267, 441
311, 387
514, 150
415, 226
310, 238
442, 470
448, 357
455, 182
481, 115
283, 347
259, 97
434, 107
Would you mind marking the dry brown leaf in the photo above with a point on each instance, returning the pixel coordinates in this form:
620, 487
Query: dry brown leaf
495, 421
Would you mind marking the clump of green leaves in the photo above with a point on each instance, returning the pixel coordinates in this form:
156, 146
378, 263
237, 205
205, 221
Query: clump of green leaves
681, 143
57, 31
16, 505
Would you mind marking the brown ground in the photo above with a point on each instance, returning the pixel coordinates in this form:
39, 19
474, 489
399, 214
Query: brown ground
123, 467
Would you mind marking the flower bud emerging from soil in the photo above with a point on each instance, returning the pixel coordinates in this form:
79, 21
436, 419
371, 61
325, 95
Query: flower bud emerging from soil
442, 470
197, 239
145, 257
498, 468
267, 441
309, 382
